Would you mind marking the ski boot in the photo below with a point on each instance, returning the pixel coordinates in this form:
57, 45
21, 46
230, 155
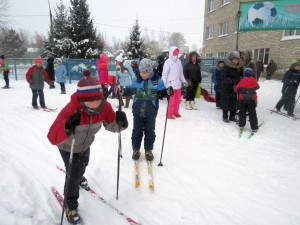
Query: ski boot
72, 216
149, 156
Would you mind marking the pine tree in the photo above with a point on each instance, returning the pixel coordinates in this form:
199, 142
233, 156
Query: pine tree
60, 39
11, 44
135, 45
84, 42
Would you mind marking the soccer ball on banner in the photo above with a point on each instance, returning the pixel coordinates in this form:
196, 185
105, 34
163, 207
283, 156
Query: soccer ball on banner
261, 13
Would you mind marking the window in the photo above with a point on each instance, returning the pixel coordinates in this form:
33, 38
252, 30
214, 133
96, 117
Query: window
224, 28
222, 55
208, 55
212, 5
291, 32
262, 53
210, 32
224, 2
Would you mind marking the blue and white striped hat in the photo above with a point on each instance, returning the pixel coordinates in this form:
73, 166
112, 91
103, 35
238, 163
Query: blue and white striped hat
88, 88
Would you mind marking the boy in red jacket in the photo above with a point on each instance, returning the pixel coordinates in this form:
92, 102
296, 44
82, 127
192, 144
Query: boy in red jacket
246, 90
81, 119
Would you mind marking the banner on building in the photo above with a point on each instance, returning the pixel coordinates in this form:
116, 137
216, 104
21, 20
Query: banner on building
270, 15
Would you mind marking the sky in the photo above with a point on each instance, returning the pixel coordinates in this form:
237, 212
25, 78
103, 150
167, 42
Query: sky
116, 18
209, 175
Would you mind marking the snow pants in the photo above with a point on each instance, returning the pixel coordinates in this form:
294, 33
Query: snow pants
288, 100
35, 94
6, 78
174, 102
191, 91
141, 126
244, 107
79, 163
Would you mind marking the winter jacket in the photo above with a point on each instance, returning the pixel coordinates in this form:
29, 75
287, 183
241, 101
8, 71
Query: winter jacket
192, 72
216, 78
230, 76
260, 67
248, 62
50, 68
4, 67
271, 67
246, 88
291, 80
102, 71
146, 92
172, 72
36, 76
60, 73
125, 78
89, 125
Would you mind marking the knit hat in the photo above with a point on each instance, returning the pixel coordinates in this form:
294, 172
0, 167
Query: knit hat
59, 60
38, 60
248, 72
119, 58
234, 55
220, 61
2, 57
88, 88
146, 66
294, 63
176, 51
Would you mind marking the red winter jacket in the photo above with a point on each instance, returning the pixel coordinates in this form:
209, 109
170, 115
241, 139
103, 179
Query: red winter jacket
89, 125
246, 88
36, 76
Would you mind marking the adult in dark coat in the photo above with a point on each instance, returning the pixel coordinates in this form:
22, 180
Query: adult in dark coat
192, 74
260, 68
271, 68
216, 79
160, 66
246, 59
231, 74
291, 82
50, 70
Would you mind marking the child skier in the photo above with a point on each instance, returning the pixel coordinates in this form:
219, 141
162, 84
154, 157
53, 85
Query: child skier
102, 64
35, 76
291, 82
147, 88
246, 90
5, 69
81, 119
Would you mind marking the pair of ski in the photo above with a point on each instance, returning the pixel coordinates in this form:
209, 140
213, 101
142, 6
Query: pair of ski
60, 200
137, 174
283, 114
252, 133
45, 109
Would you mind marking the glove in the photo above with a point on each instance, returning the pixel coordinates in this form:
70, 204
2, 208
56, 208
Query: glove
170, 91
121, 119
73, 121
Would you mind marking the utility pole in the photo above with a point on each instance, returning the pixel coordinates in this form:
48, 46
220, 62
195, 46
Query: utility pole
51, 25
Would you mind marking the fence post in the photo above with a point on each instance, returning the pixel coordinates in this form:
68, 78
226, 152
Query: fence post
15, 67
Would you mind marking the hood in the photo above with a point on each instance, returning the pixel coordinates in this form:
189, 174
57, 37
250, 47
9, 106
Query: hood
191, 54
229, 64
171, 50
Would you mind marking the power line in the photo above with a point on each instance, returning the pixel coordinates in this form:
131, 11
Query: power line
28, 15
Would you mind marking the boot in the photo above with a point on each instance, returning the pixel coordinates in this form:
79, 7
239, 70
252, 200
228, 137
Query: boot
136, 154
193, 105
149, 156
188, 105
121, 102
72, 216
127, 100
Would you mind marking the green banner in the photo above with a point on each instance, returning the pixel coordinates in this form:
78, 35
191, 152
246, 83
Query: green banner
270, 15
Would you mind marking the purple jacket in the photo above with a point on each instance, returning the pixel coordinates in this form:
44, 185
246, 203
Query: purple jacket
172, 74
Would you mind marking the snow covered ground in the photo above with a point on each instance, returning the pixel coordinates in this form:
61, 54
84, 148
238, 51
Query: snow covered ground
209, 177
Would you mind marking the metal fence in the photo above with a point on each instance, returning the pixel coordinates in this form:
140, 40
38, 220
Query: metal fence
19, 67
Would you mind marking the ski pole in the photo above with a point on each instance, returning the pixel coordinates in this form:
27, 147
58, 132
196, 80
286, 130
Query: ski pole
68, 173
162, 148
119, 93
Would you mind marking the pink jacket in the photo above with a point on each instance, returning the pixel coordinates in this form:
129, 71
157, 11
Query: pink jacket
102, 69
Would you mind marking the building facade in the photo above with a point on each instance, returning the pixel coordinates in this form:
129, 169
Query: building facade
220, 36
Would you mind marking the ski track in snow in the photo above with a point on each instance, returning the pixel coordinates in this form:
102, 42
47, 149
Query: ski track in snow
209, 177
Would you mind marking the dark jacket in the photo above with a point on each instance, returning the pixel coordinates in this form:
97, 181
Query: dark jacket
50, 68
291, 80
216, 77
271, 67
191, 71
260, 67
230, 76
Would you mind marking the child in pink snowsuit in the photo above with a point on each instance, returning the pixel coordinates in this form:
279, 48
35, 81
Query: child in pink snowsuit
103, 73
172, 75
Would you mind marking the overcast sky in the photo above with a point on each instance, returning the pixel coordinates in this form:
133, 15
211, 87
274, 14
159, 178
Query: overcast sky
116, 18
